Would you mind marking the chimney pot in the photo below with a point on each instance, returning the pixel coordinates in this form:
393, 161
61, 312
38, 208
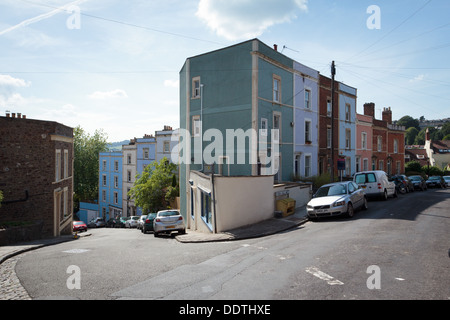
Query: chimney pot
13, 115
275, 47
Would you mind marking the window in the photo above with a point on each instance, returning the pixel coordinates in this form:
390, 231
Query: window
374, 164
145, 153
196, 125
58, 165
104, 195
206, 207
116, 198
381, 165
297, 165
104, 180
398, 167
276, 126
128, 158
358, 164
276, 88
116, 182
65, 202
196, 87
364, 140
380, 143
307, 131
263, 131
389, 167
116, 165
128, 194
192, 204
66, 163
365, 164
395, 146
348, 141
307, 99
348, 166
307, 166
128, 175
104, 165
166, 147
329, 137
347, 112
328, 108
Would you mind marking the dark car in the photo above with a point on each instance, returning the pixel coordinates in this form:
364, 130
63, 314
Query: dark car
418, 182
436, 181
120, 222
79, 226
407, 182
148, 223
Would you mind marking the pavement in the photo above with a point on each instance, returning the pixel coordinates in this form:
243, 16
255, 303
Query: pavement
261, 229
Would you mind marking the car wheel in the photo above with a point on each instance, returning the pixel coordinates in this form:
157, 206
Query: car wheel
395, 195
365, 204
350, 211
155, 234
385, 195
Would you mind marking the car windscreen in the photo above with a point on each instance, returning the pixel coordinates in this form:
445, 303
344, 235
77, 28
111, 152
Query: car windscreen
333, 190
434, 178
77, 223
414, 178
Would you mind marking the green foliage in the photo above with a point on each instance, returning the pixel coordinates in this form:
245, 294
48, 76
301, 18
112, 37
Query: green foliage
410, 135
413, 166
317, 181
86, 153
154, 187
432, 171
409, 122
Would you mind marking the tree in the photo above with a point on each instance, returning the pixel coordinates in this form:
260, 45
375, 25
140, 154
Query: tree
411, 134
409, 122
86, 155
413, 166
151, 190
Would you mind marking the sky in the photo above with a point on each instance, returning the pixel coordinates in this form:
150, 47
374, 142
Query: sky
114, 65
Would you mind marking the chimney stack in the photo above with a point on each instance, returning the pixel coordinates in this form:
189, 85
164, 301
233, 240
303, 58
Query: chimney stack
387, 115
275, 47
369, 109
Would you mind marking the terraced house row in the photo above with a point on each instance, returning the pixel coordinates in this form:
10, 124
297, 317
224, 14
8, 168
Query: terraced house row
251, 87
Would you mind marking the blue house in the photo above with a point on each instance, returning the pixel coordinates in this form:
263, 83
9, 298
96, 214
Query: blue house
110, 184
306, 117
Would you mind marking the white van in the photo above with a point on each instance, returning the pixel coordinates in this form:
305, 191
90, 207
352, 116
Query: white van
375, 184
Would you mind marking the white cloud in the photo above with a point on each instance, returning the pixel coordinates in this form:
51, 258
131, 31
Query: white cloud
114, 94
171, 83
418, 78
7, 81
243, 19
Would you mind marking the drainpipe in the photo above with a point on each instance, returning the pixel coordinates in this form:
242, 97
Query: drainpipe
201, 123
214, 201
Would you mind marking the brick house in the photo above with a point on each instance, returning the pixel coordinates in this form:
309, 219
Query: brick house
36, 174
388, 142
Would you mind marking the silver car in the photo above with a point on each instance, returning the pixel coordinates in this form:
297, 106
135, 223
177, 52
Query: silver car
336, 199
167, 221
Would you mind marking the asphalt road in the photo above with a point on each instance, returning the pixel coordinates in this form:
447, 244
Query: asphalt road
398, 249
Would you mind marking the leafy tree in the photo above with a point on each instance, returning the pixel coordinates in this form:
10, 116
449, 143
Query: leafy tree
445, 130
86, 153
411, 134
432, 171
151, 188
409, 122
447, 137
413, 166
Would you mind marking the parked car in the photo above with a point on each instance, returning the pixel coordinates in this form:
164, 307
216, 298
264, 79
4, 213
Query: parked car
111, 223
400, 185
375, 184
447, 180
407, 182
336, 199
132, 222
418, 182
141, 221
167, 221
97, 223
79, 226
120, 223
436, 181
148, 223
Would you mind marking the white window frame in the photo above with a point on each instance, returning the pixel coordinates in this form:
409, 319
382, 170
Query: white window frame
116, 197
329, 137
146, 153
308, 133
196, 90
348, 111
395, 146
104, 180
264, 124
380, 143
364, 140
116, 182
66, 163
58, 165
276, 86
308, 98
329, 106
308, 165
277, 133
196, 126
348, 138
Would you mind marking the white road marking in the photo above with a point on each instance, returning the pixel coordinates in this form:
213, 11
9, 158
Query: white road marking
400, 279
76, 251
323, 276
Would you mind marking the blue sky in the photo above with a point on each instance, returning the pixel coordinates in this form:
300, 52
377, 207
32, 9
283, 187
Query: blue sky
115, 65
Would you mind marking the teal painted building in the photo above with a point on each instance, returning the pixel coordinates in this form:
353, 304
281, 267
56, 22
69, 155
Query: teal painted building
230, 100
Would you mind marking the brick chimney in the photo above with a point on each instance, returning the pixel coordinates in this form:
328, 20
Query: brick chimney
387, 115
369, 109
275, 47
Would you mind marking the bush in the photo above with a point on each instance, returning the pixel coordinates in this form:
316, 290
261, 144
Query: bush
432, 171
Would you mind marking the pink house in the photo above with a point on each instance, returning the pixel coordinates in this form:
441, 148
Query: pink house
364, 125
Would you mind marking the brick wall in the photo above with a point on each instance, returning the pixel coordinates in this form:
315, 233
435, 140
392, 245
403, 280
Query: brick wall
28, 171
